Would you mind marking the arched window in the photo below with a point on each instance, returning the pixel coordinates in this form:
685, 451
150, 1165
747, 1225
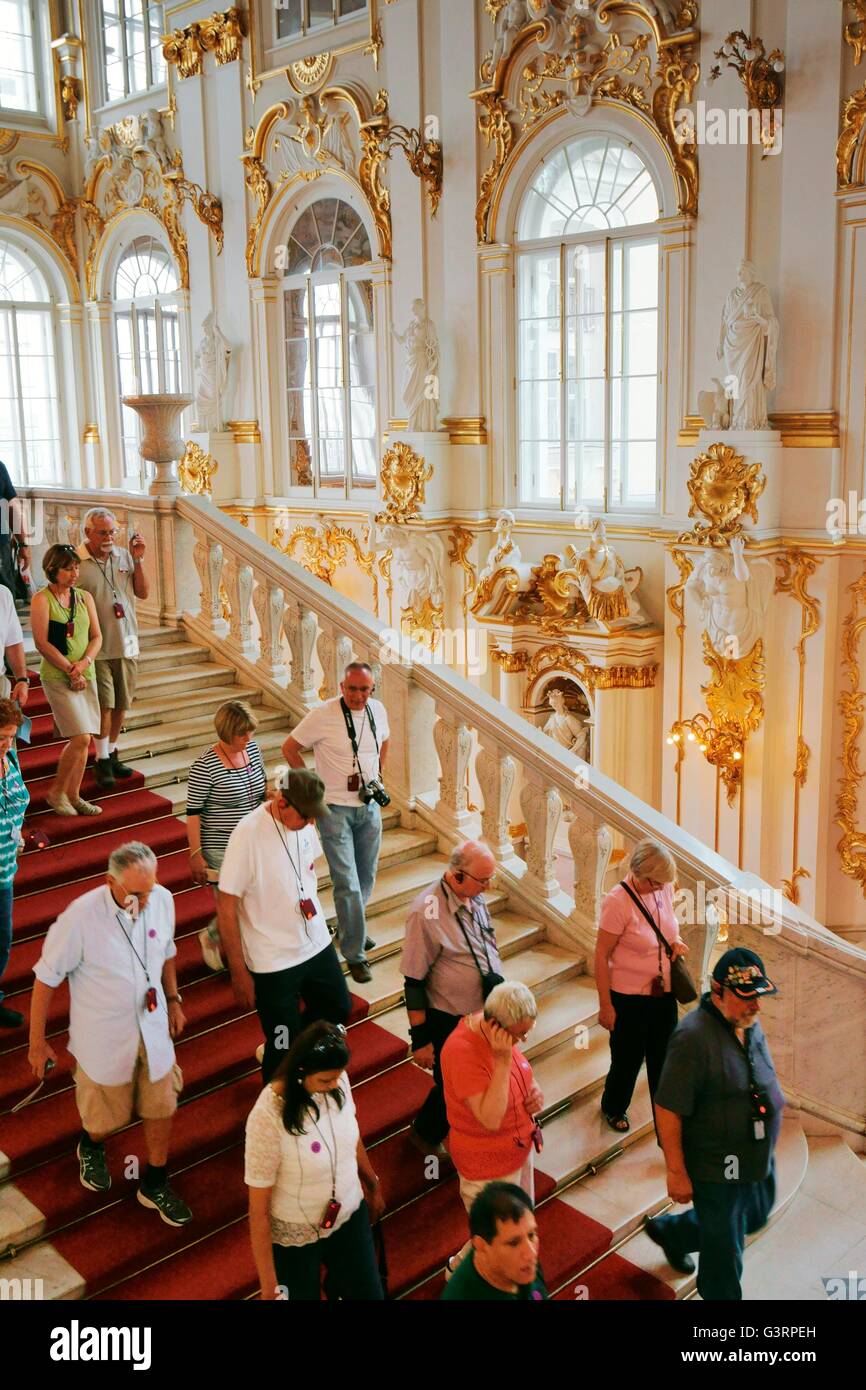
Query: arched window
330, 349
587, 330
147, 328
29, 405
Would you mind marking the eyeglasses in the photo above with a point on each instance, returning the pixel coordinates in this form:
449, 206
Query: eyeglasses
292, 807
485, 882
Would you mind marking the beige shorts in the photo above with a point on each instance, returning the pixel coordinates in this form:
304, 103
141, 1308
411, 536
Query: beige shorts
524, 1177
115, 682
74, 711
103, 1109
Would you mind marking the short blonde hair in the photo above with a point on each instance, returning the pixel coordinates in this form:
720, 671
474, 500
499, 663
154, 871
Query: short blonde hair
649, 859
233, 719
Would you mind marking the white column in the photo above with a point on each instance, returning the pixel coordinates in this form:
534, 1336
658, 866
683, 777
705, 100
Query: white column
71, 385
264, 298
106, 391
497, 270
676, 391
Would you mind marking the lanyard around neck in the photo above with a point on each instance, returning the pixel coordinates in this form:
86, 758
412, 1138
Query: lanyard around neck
296, 868
140, 918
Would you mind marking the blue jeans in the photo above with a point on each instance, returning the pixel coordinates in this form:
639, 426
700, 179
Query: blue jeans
351, 836
5, 929
722, 1215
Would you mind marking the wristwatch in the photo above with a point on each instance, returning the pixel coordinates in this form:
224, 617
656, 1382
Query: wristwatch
174, 998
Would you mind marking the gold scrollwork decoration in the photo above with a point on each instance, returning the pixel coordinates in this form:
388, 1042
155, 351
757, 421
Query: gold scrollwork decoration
796, 569
222, 34
70, 96
208, 208
855, 30
511, 662
676, 603
495, 126
723, 489
311, 72
404, 475
849, 169
461, 541
424, 157
196, 469
678, 74
326, 551
423, 622
852, 845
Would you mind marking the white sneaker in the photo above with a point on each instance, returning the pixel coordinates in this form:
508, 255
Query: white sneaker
210, 950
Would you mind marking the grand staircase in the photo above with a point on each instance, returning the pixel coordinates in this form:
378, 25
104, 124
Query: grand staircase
594, 1187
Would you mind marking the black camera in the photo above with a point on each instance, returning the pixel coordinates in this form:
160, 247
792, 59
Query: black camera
374, 791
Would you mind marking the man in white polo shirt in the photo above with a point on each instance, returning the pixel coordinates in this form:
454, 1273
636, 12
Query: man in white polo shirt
273, 931
115, 946
351, 769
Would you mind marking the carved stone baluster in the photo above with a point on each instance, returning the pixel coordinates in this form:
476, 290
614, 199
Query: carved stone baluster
300, 626
269, 601
208, 558
542, 808
326, 650
50, 515
496, 772
453, 740
239, 582
590, 846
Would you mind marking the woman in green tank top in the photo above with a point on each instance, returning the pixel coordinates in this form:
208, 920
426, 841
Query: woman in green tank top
66, 632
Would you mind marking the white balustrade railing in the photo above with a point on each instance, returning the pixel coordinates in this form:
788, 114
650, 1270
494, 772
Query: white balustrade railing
292, 634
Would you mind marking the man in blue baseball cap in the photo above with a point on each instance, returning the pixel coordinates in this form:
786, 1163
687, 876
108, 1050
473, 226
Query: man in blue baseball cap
719, 1111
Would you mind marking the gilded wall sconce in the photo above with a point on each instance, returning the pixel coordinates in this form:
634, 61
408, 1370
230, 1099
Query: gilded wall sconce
761, 75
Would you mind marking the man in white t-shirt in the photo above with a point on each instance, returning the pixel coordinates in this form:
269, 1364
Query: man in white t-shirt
272, 927
352, 830
12, 642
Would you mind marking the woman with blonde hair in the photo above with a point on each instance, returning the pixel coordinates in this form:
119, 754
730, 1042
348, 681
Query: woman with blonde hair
633, 975
225, 784
67, 634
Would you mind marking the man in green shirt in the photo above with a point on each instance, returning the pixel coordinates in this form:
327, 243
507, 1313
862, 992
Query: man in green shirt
503, 1262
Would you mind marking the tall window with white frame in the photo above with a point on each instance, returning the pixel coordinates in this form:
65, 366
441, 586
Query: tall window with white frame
25, 72
132, 58
588, 330
147, 327
29, 403
295, 18
330, 350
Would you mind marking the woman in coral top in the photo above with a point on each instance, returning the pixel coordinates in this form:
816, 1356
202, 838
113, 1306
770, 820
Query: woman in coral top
633, 975
490, 1094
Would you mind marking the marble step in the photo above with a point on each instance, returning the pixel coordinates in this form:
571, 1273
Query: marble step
148, 637
150, 712
172, 765
196, 735
185, 682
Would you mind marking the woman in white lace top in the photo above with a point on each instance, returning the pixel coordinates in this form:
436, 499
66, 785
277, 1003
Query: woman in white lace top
312, 1187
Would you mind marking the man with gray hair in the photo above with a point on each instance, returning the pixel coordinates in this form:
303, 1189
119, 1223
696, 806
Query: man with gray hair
115, 946
490, 1093
115, 577
450, 963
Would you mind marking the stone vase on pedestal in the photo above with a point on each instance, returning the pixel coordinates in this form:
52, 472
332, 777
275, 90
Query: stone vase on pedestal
161, 445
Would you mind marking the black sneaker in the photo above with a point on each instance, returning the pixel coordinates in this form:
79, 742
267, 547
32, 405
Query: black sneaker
683, 1264
360, 972
369, 944
172, 1208
10, 1018
93, 1168
118, 768
103, 771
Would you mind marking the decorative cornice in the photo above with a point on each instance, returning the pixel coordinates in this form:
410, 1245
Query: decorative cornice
800, 429
222, 35
245, 431
511, 662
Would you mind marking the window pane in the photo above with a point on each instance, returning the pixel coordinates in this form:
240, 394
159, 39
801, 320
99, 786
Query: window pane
640, 474
538, 350
18, 84
642, 275
589, 464
540, 471
594, 183
641, 342
539, 285
585, 410
352, 7
171, 350
539, 410
321, 13
289, 18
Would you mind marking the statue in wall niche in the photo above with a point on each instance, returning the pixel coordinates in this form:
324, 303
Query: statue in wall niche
212, 365
606, 586
733, 598
748, 344
565, 726
420, 370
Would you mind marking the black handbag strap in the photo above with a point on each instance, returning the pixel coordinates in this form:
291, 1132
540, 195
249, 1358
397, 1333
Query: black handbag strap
636, 900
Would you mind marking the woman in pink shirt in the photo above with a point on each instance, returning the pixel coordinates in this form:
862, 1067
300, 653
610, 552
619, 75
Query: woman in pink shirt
633, 975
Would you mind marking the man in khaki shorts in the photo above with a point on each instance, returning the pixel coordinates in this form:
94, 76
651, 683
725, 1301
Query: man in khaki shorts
116, 578
115, 945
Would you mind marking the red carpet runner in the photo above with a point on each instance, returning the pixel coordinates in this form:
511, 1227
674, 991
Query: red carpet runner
123, 1251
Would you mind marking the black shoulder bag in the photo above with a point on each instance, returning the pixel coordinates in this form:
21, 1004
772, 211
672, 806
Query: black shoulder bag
682, 984
489, 978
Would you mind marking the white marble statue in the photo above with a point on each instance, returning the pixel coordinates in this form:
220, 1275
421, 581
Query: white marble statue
606, 586
509, 22
18, 195
421, 369
748, 343
714, 407
212, 365
565, 726
504, 551
733, 598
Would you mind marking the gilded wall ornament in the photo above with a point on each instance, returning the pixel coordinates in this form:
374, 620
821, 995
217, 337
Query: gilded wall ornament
310, 72
723, 488
404, 475
195, 470
796, 569
460, 542
849, 168
511, 662
761, 75
855, 30
423, 622
222, 34
852, 845
325, 552
70, 96
424, 157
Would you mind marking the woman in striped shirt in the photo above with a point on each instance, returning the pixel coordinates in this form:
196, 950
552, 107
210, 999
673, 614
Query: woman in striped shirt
14, 798
225, 784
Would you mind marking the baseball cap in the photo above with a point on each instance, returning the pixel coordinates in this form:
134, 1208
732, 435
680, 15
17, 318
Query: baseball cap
742, 972
304, 790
